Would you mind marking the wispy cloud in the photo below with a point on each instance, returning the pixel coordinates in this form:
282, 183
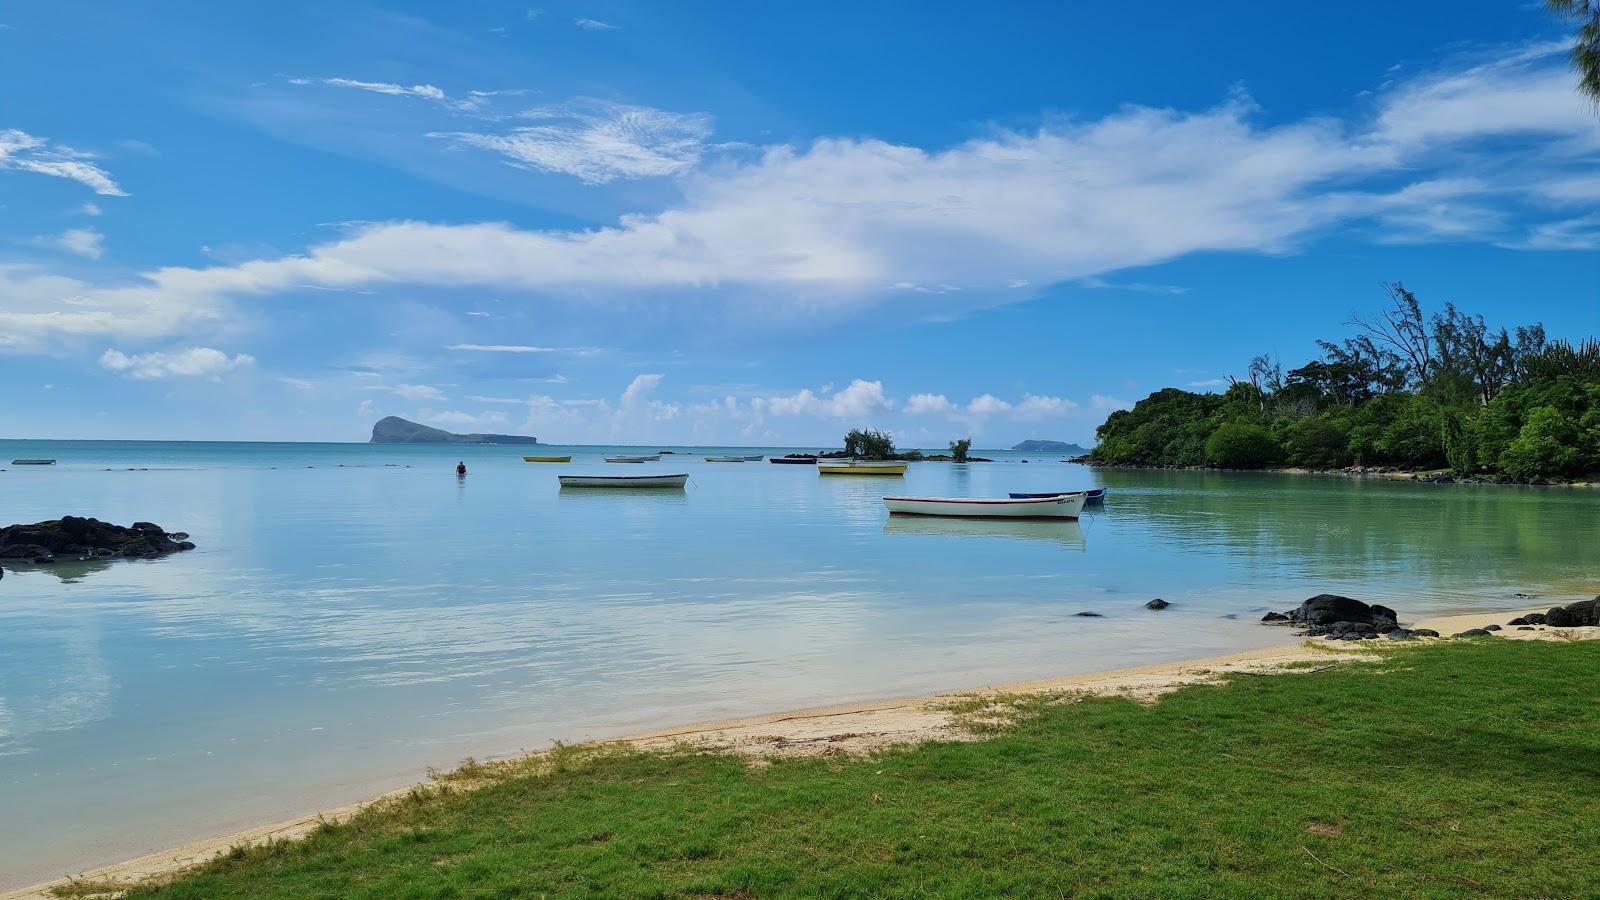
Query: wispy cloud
85, 242
25, 152
808, 236
1137, 287
597, 142
425, 91
595, 25
417, 392
90, 209
1208, 383
501, 348
193, 362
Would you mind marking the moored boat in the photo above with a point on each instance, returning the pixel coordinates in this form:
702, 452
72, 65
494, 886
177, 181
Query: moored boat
1093, 495
624, 481
1060, 506
33, 462
886, 467
633, 458
757, 458
737, 459
793, 460
547, 459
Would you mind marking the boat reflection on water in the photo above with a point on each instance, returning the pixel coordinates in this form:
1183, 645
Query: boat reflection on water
1065, 532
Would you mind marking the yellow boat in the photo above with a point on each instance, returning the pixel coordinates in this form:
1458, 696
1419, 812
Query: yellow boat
547, 459
883, 468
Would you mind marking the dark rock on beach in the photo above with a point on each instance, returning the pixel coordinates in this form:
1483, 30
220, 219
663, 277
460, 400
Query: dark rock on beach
1582, 614
1339, 618
1398, 634
1471, 632
72, 537
1424, 632
1157, 603
1491, 628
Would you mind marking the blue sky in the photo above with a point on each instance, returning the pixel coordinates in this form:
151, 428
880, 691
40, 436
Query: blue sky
752, 223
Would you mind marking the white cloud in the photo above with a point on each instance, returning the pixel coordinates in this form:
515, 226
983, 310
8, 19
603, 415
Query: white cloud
501, 348
300, 384
807, 236
1103, 403
417, 392
425, 91
987, 405
594, 25
90, 209
1034, 408
502, 401
1137, 287
84, 242
1581, 233
640, 389
929, 404
1208, 383
452, 418
193, 362
598, 142
25, 152
859, 400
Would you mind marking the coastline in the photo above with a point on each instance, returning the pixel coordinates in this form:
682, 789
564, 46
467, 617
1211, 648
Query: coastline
818, 731
1424, 476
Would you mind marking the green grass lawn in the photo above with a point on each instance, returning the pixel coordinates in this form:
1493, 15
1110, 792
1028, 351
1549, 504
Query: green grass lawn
1461, 769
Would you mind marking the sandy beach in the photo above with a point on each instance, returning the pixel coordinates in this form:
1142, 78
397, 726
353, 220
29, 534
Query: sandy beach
851, 729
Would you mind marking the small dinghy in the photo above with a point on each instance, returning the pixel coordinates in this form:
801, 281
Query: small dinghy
861, 467
624, 481
632, 458
1058, 506
1095, 495
547, 459
33, 462
737, 459
793, 460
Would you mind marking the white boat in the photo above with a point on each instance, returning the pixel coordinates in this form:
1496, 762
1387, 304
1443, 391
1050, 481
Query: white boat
624, 481
878, 463
757, 458
1065, 506
633, 458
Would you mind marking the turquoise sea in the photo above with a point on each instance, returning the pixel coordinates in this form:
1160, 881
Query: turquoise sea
355, 614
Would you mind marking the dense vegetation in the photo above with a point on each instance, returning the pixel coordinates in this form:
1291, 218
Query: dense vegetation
1409, 390
1465, 769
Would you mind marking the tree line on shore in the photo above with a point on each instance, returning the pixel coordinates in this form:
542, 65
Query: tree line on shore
1407, 390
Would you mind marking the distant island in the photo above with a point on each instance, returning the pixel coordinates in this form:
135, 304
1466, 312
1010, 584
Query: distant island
1051, 447
395, 430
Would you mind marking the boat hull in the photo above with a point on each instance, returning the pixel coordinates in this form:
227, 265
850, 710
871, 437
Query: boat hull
793, 460
1060, 506
737, 459
33, 462
547, 459
899, 469
629, 458
1096, 495
624, 481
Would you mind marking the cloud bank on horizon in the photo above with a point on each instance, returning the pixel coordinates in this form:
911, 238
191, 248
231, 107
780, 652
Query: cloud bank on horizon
757, 243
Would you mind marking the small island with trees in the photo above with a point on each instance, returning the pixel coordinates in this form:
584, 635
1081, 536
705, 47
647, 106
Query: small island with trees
1441, 394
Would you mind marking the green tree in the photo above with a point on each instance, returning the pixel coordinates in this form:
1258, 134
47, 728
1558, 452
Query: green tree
959, 449
1240, 445
1549, 444
867, 443
1586, 50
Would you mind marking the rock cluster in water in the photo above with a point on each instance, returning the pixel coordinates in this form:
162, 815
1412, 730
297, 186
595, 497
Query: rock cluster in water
73, 537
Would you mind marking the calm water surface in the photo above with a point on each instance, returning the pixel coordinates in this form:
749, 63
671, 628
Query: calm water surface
355, 614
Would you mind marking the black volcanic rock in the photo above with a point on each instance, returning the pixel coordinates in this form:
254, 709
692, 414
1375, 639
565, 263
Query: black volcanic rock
1339, 618
395, 430
1573, 615
72, 537
1157, 603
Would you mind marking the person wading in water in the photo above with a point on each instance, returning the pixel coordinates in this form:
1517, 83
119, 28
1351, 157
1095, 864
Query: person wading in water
461, 469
